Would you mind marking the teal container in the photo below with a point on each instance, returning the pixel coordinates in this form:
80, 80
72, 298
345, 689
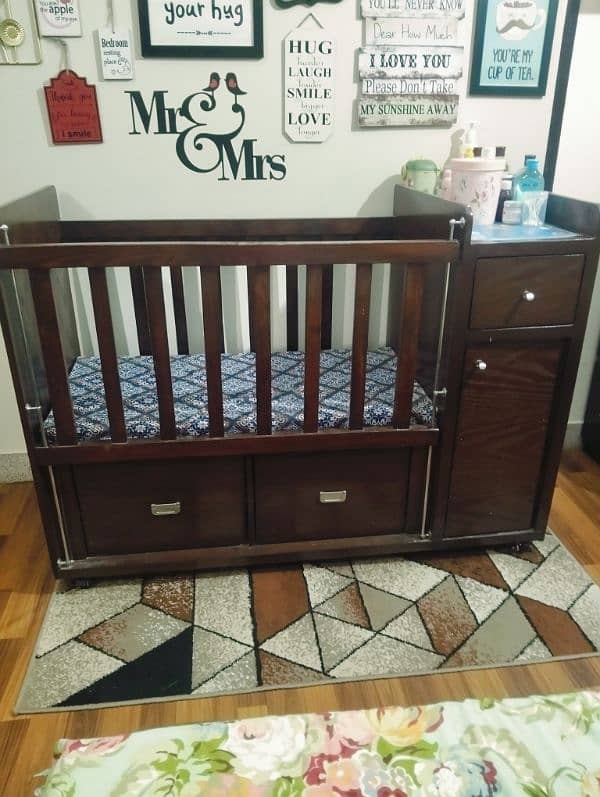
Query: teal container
522, 171
529, 180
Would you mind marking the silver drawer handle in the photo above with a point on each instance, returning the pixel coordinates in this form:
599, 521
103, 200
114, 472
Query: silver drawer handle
162, 510
481, 365
529, 296
336, 497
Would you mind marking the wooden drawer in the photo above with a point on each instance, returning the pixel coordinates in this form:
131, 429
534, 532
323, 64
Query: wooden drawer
296, 495
121, 505
526, 291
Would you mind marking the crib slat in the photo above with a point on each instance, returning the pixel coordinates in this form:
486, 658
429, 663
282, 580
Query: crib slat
259, 293
212, 311
408, 342
54, 360
160, 351
108, 354
138, 292
360, 343
291, 304
218, 298
327, 307
183, 346
312, 357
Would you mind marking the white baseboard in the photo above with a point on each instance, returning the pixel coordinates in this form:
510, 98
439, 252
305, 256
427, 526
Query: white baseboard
573, 435
14, 468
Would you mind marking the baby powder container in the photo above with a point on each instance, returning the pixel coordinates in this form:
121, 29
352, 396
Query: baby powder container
476, 182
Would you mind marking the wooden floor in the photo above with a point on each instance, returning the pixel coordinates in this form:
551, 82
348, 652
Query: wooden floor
26, 582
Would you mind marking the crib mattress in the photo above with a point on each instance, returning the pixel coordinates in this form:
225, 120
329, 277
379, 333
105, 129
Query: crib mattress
140, 402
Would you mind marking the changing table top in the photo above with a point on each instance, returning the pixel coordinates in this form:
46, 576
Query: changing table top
502, 233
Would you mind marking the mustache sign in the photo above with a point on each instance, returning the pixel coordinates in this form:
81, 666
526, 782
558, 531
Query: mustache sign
515, 20
514, 23
512, 45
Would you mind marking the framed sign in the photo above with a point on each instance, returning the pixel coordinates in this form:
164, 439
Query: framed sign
213, 29
413, 8
512, 46
116, 55
410, 30
410, 62
73, 110
61, 19
309, 84
408, 111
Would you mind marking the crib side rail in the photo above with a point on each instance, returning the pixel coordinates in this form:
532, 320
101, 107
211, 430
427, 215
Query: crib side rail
251, 253
211, 257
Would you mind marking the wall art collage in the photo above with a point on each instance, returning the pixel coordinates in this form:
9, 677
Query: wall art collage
409, 68
411, 63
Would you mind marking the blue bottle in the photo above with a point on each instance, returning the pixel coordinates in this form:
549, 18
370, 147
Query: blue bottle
517, 175
529, 180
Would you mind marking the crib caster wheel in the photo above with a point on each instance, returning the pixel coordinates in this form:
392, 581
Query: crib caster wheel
521, 547
82, 583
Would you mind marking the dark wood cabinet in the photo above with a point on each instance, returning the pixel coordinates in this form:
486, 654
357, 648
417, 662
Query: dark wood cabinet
504, 416
518, 311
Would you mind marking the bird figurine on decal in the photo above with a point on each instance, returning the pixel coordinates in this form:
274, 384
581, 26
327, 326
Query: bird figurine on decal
214, 83
231, 82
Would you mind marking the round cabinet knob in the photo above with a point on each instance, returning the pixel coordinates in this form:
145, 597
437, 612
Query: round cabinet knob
481, 365
529, 296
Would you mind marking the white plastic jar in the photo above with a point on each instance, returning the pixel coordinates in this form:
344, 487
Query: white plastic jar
476, 182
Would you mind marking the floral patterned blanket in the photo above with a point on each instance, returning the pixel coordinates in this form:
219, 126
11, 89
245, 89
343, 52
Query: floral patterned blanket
531, 747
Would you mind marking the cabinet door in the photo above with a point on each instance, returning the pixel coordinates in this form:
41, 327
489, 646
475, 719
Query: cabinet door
504, 415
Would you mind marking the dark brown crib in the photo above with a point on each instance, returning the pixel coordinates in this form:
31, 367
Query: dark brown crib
123, 501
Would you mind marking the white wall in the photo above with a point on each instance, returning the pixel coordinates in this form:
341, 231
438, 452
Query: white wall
578, 168
140, 177
11, 436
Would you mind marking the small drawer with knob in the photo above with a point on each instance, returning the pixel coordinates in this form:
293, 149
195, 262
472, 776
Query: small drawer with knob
330, 495
526, 291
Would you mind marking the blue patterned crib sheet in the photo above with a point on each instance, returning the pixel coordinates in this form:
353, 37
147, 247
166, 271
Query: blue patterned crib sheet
188, 372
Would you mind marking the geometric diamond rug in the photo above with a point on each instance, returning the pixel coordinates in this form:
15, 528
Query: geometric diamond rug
199, 634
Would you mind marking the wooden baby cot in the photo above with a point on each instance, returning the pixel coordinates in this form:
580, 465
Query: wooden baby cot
118, 500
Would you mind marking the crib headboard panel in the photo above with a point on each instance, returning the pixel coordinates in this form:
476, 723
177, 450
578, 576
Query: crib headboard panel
213, 258
418, 216
382, 228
